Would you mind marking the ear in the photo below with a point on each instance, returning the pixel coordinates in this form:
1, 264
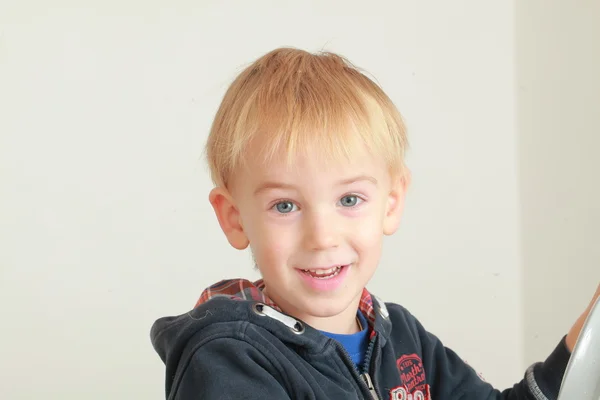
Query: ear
395, 203
229, 217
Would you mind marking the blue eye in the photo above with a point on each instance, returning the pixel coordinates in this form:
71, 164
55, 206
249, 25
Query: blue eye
285, 207
349, 201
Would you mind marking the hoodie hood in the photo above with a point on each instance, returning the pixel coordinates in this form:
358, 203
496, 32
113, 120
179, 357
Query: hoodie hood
238, 304
235, 328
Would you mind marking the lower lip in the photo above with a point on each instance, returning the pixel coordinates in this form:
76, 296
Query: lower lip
328, 284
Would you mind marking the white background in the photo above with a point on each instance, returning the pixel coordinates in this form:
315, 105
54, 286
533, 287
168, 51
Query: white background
104, 219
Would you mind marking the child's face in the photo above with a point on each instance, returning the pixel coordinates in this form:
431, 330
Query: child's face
313, 216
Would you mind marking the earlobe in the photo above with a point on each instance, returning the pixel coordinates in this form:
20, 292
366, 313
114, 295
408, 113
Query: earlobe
395, 206
228, 217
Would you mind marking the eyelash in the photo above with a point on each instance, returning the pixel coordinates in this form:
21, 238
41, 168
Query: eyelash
360, 200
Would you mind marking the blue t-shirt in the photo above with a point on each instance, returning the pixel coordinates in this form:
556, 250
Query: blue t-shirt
355, 344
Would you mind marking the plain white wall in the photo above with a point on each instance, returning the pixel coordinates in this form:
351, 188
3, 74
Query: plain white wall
105, 224
558, 97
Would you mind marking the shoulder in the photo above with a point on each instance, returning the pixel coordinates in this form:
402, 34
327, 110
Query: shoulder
231, 324
217, 318
217, 364
215, 338
400, 316
217, 310
404, 326
398, 312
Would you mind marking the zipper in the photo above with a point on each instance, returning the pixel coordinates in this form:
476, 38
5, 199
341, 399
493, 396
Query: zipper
364, 378
367, 379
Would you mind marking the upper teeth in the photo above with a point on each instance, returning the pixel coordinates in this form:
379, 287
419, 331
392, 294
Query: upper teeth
323, 271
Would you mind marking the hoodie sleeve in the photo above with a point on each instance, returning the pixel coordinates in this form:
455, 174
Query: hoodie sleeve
451, 378
227, 368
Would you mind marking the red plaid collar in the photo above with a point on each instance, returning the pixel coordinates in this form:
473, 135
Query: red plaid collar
242, 289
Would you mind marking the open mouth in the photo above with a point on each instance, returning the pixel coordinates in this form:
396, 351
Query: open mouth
325, 279
324, 273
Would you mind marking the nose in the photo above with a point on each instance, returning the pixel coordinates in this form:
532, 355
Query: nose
321, 231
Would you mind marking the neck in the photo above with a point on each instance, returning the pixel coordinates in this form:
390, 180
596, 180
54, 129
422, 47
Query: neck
344, 324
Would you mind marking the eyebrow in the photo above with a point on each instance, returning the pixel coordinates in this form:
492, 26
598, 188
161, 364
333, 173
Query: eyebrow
280, 185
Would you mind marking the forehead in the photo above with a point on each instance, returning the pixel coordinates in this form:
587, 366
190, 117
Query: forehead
311, 169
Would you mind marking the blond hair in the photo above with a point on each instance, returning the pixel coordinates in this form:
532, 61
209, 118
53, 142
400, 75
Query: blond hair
296, 102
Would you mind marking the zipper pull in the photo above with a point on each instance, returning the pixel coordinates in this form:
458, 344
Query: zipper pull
369, 383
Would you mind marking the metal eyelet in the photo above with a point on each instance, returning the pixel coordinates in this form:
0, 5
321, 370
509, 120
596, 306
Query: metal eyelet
298, 328
258, 309
384, 313
293, 324
381, 307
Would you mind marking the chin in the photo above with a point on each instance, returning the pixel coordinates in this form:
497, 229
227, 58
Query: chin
327, 308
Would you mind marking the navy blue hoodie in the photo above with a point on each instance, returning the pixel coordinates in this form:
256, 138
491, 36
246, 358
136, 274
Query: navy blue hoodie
237, 344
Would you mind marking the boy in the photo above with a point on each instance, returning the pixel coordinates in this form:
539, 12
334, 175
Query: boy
307, 156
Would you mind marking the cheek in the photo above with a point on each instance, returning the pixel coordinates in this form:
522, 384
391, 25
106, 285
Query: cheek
369, 234
271, 259
271, 245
